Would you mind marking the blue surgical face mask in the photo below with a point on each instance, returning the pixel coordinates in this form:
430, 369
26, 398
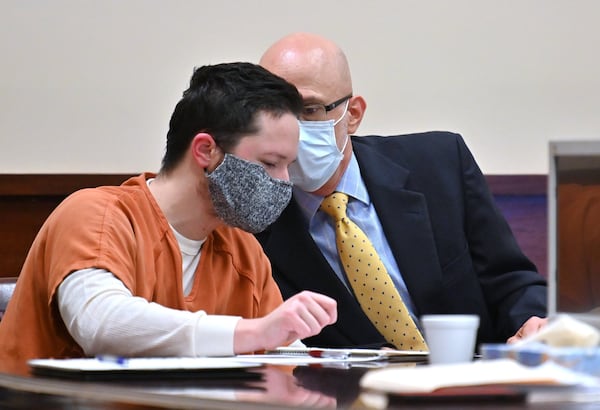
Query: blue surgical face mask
318, 154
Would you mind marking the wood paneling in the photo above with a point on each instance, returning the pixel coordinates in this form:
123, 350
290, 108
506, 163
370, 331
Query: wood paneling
533, 184
26, 201
523, 201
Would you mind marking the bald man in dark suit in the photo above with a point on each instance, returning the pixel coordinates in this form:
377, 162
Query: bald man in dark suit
421, 199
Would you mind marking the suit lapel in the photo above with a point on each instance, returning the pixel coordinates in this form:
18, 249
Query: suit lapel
306, 268
405, 221
298, 253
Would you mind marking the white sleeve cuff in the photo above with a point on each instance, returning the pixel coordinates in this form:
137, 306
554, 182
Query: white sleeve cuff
214, 335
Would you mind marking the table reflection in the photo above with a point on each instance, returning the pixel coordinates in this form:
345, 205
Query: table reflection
282, 385
273, 385
270, 387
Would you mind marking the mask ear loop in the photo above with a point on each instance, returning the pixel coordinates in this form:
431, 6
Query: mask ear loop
343, 114
345, 143
217, 149
336, 122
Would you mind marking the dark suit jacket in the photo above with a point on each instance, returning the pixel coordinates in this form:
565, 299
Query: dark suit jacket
454, 248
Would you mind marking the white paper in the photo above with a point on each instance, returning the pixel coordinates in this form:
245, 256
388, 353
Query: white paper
142, 364
426, 379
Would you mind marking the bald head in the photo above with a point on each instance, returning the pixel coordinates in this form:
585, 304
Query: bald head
319, 70
314, 64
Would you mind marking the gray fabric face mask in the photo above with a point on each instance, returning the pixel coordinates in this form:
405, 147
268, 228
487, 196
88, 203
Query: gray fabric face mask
245, 196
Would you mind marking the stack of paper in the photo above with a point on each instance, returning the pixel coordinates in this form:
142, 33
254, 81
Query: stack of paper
116, 367
427, 379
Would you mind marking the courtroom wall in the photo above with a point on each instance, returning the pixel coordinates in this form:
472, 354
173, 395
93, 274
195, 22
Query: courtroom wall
88, 86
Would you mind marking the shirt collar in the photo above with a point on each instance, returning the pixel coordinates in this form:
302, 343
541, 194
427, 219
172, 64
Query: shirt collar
351, 184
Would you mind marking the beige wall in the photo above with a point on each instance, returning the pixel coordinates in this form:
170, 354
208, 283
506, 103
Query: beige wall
89, 86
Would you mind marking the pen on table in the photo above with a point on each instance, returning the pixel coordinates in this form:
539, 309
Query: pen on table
312, 352
324, 354
112, 359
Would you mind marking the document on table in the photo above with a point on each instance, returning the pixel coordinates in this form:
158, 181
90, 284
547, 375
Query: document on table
109, 366
294, 359
483, 373
356, 355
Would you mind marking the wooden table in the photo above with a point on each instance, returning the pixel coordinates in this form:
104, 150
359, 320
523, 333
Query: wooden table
277, 388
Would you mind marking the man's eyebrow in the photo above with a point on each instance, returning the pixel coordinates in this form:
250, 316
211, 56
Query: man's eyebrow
310, 101
279, 155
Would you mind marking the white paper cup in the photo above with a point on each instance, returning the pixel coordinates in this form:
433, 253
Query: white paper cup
451, 338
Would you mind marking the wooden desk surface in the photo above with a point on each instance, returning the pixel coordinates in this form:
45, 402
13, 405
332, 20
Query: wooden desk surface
279, 388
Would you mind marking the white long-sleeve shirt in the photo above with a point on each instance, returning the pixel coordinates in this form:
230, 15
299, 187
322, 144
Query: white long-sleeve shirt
103, 316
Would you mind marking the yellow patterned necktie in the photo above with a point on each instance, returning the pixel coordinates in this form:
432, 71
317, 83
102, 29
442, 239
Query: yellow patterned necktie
373, 287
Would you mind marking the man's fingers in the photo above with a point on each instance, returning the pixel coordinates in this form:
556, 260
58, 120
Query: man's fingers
529, 328
322, 307
313, 311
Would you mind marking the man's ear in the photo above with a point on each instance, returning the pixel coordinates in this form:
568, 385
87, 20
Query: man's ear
356, 110
204, 150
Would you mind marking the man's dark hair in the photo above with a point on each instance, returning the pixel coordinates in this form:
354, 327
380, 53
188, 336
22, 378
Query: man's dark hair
224, 101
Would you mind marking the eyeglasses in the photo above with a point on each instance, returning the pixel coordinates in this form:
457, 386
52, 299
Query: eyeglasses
318, 112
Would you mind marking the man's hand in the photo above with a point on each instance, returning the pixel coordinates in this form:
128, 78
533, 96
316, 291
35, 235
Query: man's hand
303, 315
532, 326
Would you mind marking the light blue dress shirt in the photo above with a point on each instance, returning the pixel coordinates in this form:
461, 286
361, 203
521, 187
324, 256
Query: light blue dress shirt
362, 212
